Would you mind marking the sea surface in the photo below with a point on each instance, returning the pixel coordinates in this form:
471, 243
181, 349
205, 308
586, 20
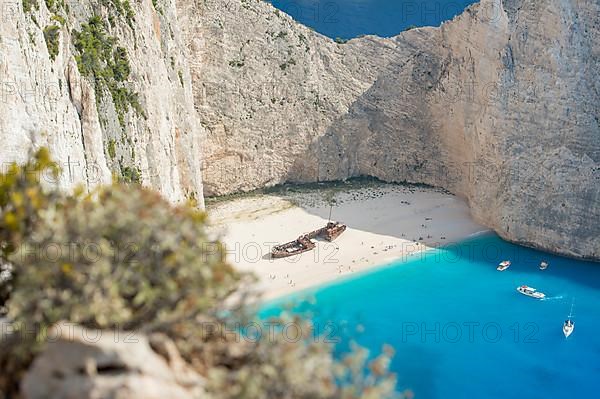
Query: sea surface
460, 328
347, 19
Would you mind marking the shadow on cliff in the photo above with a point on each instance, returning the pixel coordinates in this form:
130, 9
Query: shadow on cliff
375, 140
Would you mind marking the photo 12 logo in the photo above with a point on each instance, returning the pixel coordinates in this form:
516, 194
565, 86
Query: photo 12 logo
44, 93
311, 12
468, 332
9, 11
254, 252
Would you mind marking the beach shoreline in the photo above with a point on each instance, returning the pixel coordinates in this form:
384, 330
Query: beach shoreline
386, 223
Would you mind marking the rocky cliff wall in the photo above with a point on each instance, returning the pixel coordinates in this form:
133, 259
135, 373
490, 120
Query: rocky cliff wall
266, 87
108, 98
500, 106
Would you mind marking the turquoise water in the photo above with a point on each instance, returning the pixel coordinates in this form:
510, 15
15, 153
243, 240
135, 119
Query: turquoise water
351, 18
461, 330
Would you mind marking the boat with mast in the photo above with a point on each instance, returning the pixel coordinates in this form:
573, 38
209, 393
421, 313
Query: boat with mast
569, 325
304, 243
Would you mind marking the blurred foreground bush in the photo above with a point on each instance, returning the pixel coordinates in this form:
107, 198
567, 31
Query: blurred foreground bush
121, 257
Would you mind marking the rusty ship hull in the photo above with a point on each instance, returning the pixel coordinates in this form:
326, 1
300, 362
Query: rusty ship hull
304, 243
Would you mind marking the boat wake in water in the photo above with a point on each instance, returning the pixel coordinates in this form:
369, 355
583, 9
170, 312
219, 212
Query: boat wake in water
553, 298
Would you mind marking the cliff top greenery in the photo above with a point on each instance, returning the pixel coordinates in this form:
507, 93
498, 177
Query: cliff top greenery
122, 257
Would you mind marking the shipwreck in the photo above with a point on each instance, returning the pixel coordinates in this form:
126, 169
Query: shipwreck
305, 243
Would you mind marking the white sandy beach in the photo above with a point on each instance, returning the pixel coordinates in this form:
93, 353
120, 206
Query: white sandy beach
385, 223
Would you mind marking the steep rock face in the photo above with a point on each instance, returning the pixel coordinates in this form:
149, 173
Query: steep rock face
142, 127
266, 87
498, 106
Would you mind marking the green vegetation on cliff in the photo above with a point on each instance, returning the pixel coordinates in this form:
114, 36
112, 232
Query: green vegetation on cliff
52, 37
107, 65
29, 5
122, 257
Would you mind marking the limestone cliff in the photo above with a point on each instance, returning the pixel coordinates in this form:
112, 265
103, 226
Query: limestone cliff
106, 86
266, 87
500, 106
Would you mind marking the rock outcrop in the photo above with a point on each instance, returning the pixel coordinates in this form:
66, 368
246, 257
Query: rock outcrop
498, 106
81, 363
135, 120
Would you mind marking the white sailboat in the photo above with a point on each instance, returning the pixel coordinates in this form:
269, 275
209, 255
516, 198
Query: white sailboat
543, 265
569, 325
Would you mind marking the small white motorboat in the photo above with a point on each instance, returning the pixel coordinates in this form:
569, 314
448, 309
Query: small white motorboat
530, 291
503, 265
543, 265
